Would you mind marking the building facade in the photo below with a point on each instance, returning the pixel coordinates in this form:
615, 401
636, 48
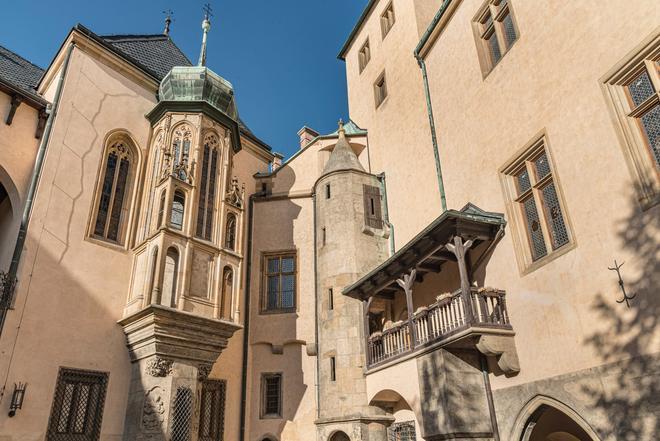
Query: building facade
473, 255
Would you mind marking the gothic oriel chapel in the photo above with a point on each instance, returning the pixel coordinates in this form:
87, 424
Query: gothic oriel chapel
472, 256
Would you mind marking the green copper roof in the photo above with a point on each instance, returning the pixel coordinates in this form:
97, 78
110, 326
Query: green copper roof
351, 129
198, 83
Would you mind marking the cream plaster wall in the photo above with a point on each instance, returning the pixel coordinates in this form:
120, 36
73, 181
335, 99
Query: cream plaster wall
18, 148
399, 135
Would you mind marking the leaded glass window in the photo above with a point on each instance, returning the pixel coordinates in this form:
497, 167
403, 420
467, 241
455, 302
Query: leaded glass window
207, 187
178, 209
271, 395
212, 410
114, 198
403, 431
640, 91
280, 283
496, 31
77, 410
535, 194
230, 232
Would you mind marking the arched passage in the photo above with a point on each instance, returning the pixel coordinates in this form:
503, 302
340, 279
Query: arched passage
10, 215
339, 436
546, 419
405, 426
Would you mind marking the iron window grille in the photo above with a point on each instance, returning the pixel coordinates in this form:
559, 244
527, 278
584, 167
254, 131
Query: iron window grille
212, 410
271, 395
77, 410
280, 283
404, 431
182, 412
496, 31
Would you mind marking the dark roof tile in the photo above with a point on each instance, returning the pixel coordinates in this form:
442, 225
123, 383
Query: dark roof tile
18, 71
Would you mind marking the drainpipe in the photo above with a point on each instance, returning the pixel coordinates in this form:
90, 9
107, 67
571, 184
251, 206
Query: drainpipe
246, 321
34, 182
316, 316
489, 398
434, 138
383, 187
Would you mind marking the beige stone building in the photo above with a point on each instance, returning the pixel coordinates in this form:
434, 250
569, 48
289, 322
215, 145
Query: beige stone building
472, 256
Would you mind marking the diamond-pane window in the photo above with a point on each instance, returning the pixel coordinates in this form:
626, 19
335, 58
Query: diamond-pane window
509, 30
494, 46
280, 284
77, 410
651, 124
534, 192
495, 30
641, 88
182, 412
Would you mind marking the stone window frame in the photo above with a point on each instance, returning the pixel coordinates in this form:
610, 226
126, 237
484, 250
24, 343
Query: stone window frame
209, 182
333, 368
514, 200
124, 236
380, 89
263, 414
93, 418
626, 115
364, 55
226, 242
263, 309
497, 11
211, 387
387, 19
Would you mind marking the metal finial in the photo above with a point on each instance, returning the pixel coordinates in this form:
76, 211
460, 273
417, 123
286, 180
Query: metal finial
206, 26
168, 20
341, 126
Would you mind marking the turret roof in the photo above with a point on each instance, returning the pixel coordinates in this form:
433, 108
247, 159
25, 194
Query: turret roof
342, 157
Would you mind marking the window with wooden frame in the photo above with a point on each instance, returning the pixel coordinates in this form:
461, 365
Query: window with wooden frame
77, 411
207, 187
536, 205
212, 410
112, 206
633, 88
380, 89
387, 19
271, 395
495, 30
279, 283
364, 55
373, 216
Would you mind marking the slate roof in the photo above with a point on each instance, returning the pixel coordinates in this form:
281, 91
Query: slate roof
19, 72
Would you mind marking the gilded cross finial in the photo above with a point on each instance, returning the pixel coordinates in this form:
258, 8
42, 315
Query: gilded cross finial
168, 21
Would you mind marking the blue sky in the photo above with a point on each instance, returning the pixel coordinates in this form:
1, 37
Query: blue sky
279, 54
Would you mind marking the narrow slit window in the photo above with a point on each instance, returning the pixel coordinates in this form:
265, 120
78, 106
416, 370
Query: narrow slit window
230, 232
327, 191
333, 369
331, 299
207, 187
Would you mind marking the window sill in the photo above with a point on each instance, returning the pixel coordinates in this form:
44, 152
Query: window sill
548, 258
107, 244
278, 311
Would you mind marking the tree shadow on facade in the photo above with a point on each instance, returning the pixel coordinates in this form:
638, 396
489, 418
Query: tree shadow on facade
630, 394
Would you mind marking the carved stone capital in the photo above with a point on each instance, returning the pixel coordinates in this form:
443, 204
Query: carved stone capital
158, 367
203, 371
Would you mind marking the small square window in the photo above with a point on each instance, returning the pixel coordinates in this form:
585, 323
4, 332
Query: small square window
387, 19
271, 395
364, 56
495, 31
380, 89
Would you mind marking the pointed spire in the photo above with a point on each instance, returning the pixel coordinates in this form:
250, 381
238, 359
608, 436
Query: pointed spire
206, 26
168, 21
342, 157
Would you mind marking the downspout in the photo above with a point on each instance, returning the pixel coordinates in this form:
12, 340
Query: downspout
246, 321
434, 137
489, 398
34, 182
383, 186
316, 316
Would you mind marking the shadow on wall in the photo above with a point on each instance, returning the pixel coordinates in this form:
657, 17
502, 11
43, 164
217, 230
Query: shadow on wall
632, 401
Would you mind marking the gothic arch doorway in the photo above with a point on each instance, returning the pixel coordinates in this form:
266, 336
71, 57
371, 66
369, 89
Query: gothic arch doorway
546, 419
339, 436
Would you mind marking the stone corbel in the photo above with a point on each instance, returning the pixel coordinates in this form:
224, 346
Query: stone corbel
16, 101
503, 348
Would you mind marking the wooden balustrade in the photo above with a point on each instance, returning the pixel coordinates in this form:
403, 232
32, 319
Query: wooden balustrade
439, 321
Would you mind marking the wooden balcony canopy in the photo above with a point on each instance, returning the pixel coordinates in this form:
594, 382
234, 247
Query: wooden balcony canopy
428, 251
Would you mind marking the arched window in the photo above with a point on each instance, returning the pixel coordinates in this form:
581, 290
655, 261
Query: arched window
161, 209
230, 232
115, 192
207, 184
152, 276
227, 293
170, 278
178, 208
339, 436
6, 226
181, 141
155, 178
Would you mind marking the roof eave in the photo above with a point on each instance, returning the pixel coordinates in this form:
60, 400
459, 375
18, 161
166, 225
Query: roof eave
32, 99
349, 41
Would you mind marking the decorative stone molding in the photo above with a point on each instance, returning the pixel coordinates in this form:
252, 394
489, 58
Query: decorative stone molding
158, 367
235, 193
153, 410
203, 371
503, 348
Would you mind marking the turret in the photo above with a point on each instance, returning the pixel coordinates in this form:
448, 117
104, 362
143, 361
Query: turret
351, 239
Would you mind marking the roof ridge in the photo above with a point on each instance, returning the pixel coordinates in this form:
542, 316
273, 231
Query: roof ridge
136, 36
22, 58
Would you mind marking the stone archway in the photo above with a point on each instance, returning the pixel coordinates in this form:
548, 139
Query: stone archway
546, 419
339, 436
10, 214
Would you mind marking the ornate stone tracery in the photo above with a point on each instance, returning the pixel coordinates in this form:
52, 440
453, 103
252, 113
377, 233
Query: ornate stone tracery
235, 193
